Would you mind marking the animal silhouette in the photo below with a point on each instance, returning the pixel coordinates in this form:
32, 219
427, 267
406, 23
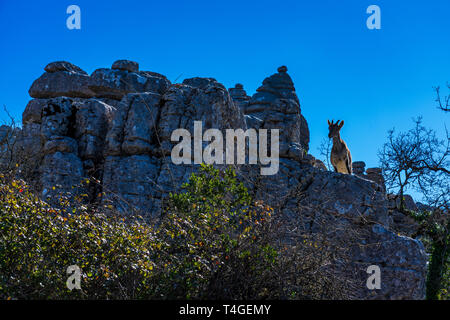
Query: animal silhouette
340, 157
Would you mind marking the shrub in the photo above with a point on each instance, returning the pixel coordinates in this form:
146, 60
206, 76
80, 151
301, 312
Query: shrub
213, 242
39, 242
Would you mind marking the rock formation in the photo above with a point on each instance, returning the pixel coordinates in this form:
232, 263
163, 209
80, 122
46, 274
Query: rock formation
399, 222
239, 96
115, 125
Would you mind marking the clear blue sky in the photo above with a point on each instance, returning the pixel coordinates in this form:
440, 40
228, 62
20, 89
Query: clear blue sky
373, 79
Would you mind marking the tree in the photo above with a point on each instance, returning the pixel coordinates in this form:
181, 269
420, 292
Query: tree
419, 160
325, 151
444, 102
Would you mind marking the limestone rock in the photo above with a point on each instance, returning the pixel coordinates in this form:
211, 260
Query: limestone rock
33, 112
60, 171
126, 65
197, 99
63, 66
116, 83
277, 106
359, 167
62, 79
60, 144
239, 96
133, 127
376, 175
93, 118
354, 212
131, 183
312, 161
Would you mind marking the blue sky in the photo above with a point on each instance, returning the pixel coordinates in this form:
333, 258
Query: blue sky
373, 79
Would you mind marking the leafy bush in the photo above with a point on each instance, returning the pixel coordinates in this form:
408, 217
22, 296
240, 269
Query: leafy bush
213, 242
39, 242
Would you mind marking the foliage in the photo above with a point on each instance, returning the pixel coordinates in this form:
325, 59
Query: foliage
213, 242
39, 242
418, 159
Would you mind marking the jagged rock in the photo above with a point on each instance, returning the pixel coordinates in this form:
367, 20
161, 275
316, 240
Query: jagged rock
276, 106
402, 263
376, 175
282, 69
33, 112
131, 183
239, 96
311, 160
60, 173
30, 143
8, 137
60, 144
359, 167
354, 212
374, 171
56, 117
4, 133
93, 118
70, 130
63, 66
126, 65
424, 207
401, 222
116, 83
197, 99
143, 125
408, 202
61, 79
133, 127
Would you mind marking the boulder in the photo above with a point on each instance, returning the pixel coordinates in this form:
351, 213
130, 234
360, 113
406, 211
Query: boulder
116, 83
62, 79
239, 96
359, 167
63, 66
126, 65
276, 106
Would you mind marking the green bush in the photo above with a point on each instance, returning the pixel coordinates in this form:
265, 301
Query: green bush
212, 242
39, 242
217, 239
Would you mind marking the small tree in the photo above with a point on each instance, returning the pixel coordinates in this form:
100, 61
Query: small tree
418, 159
325, 152
444, 102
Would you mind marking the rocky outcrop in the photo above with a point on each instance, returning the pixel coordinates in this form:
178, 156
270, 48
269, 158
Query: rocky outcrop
373, 174
399, 221
62, 79
116, 126
275, 105
65, 79
239, 96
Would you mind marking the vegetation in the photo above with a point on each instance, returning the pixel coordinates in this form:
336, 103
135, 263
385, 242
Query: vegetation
213, 242
418, 159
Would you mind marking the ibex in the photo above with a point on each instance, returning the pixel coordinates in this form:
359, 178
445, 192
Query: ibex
340, 157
